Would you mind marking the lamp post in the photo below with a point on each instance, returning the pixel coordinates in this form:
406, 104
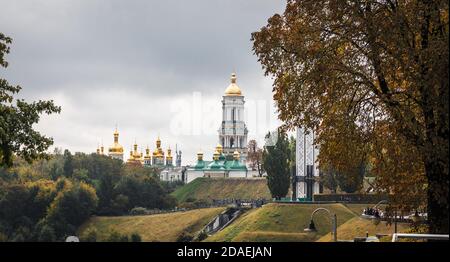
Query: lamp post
333, 218
381, 202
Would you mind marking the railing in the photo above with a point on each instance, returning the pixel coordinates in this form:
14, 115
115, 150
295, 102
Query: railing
396, 236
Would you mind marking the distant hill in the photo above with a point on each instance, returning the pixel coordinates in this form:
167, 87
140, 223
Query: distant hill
281, 222
160, 227
221, 188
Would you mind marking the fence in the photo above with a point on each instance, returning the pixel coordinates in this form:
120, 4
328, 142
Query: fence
352, 198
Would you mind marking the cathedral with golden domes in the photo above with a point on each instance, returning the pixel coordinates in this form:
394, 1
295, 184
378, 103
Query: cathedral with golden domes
229, 157
157, 158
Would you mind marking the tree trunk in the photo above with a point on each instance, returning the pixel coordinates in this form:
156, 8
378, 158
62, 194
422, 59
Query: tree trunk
438, 217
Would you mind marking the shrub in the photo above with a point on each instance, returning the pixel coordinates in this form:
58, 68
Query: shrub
202, 236
138, 211
185, 237
135, 237
116, 237
89, 236
47, 234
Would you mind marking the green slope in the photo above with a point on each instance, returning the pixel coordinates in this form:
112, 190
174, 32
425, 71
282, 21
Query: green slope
161, 227
281, 222
220, 188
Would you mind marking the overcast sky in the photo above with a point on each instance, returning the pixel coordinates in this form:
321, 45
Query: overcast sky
151, 67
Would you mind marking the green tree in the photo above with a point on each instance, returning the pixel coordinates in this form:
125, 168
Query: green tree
276, 161
74, 203
47, 234
353, 181
17, 118
68, 163
382, 65
329, 180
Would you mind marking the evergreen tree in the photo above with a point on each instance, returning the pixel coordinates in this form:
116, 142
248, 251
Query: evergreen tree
276, 160
68, 163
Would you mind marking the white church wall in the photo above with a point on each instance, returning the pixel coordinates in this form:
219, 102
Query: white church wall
192, 174
236, 174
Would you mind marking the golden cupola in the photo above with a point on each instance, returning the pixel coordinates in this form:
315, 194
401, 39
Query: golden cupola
147, 153
158, 142
216, 155
169, 153
116, 147
200, 156
233, 89
135, 155
219, 148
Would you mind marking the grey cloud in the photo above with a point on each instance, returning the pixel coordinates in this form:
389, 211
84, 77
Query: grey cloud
82, 52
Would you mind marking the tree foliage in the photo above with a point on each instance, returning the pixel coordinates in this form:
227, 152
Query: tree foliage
371, 76
254, 157
17, 118
276, 162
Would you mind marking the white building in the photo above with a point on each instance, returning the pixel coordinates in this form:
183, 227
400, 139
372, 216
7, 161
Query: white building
233, 131
231, 152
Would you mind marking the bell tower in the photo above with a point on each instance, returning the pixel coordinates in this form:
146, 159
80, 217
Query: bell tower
233, 131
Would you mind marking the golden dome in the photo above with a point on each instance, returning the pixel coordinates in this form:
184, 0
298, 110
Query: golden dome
147, 153
200, 155
219, 148
233, 89
116, 147
216, 155
158, 142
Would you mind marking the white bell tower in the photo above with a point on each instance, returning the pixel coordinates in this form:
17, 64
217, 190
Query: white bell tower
233, 131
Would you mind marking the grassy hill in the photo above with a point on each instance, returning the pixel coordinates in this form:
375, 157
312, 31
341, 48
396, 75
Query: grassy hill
281, 222
220, 188
160, 227
357, 227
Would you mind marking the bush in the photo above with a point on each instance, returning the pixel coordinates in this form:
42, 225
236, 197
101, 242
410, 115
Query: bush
89, 236
135, 237
47, 234
138, 211
3, 237
116, 237
202, 236
185, 237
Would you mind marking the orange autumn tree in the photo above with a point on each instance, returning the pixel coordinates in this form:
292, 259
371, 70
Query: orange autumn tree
371, 76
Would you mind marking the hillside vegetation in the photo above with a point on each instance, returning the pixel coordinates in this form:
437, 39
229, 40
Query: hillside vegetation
281, 222
160, 227
204, 188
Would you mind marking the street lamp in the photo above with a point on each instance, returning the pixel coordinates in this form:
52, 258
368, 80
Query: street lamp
333, 218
